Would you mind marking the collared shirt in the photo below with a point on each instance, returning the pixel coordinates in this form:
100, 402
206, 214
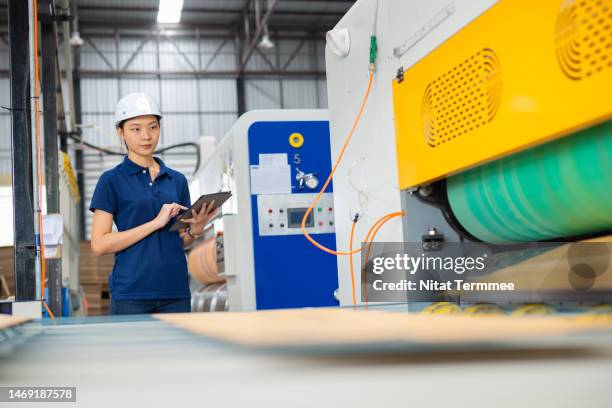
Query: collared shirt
155, 267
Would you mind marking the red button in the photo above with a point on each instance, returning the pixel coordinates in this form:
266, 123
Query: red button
270, 210
320, 223
330, 208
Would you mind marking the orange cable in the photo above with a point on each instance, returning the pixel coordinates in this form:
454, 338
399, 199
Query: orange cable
375, 227
43, 266
49, 310
378, 221
378, 225
367, 258
331, 175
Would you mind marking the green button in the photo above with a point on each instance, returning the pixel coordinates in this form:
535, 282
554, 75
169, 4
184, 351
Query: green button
319, 209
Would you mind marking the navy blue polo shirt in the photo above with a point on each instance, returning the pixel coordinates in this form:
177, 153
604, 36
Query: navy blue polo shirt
155, 267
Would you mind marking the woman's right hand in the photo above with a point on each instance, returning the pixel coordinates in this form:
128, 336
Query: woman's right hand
167, 211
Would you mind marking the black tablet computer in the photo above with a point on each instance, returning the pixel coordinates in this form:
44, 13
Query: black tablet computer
218, 198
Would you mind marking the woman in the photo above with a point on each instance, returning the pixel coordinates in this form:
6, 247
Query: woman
141, 195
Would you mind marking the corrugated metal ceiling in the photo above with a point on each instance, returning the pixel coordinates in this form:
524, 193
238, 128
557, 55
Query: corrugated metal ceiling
314, 14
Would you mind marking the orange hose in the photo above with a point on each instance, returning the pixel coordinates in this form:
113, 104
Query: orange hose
49, 310
378, 225
367, 257
374, 229
378, 221
43, 265
331, 175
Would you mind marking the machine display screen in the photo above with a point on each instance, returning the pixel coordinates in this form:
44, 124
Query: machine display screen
295, 215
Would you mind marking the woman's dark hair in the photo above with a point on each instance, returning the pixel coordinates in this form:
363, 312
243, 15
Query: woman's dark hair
122, 123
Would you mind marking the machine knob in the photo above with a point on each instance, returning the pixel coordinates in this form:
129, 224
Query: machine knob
312, 182
309, 179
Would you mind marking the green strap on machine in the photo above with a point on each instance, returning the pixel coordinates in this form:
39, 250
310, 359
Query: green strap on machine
559, 189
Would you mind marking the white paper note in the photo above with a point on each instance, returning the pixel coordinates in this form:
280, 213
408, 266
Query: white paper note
273, 159
53, 229
271, 179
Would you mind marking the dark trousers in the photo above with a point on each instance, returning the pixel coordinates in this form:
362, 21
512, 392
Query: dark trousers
126, 307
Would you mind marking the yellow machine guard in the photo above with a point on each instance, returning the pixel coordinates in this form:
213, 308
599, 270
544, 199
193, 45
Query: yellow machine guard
521, 74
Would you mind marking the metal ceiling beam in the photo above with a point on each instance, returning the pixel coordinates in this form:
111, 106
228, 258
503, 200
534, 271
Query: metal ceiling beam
98, 52
215, 53
91, 73
181, 53
202, 74
142, 31
294, 53
135, 53
83, 10
264, 20
266, 60
188, 33
207, 30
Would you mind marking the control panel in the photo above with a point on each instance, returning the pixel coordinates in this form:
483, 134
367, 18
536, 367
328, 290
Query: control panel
282, 214
288, 160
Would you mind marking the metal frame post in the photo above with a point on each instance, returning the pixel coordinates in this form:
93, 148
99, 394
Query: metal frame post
49, 94
21, 148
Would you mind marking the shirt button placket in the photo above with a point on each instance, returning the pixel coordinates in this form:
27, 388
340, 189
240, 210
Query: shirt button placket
150, 182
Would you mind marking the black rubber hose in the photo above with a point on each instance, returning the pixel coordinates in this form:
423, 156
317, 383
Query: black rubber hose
78, 139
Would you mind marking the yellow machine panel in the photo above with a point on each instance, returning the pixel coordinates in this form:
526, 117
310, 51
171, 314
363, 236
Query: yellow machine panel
521, 74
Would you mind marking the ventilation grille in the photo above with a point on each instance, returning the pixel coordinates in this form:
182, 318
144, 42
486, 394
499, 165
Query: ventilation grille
583, 37
463, 99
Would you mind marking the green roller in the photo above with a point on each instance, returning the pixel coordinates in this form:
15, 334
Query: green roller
560, 189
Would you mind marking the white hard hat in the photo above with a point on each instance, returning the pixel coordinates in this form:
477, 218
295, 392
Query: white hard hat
136, 104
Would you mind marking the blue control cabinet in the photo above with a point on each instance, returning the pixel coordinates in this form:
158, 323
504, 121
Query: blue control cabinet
289, 270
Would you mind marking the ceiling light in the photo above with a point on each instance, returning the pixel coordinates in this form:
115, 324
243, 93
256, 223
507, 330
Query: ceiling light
75, 39
266, 42
169, 11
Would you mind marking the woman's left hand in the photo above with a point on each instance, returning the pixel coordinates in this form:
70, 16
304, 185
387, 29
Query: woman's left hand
199, 219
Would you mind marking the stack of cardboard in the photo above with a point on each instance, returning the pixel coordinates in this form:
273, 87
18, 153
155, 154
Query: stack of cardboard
93, 276
7, 275
94, 273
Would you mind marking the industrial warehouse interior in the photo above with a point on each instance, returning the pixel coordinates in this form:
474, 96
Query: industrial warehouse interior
305, 203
